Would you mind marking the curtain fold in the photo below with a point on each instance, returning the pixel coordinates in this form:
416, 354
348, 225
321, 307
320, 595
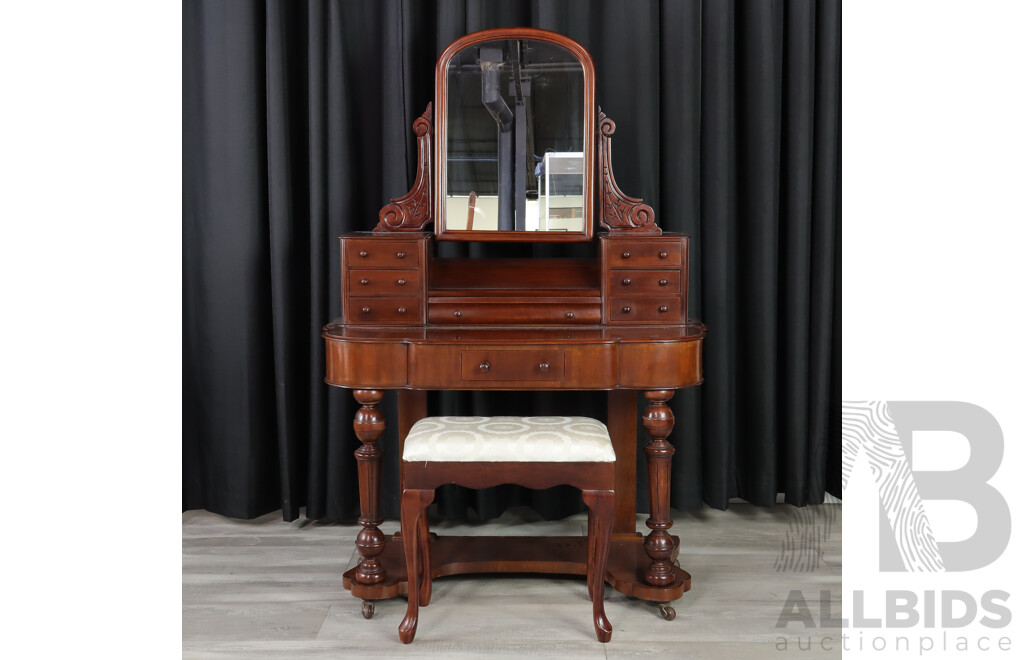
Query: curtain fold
297, 128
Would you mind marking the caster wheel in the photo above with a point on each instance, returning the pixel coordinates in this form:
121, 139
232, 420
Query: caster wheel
667, 611
368, 609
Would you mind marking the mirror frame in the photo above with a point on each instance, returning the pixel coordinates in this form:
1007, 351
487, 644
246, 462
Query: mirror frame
441, 141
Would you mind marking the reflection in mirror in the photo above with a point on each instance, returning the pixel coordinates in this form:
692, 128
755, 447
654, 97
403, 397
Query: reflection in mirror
515, 145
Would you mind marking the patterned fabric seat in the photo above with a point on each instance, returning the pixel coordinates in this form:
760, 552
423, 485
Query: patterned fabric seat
489, 439
480, 452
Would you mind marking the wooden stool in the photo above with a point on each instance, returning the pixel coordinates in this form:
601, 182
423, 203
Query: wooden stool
480, 452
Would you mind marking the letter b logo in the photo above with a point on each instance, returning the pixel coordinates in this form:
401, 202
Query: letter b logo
883, 430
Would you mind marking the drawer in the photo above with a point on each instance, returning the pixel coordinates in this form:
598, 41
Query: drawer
667, 309
644, 253
456, 366
480, 313
378, 253
513, 365
388, 311
383, 282
632, 282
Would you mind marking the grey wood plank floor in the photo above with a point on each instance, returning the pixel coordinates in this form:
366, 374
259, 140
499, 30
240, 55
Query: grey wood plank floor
269, 589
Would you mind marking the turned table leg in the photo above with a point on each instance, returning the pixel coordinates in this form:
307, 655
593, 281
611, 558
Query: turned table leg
658, 421
369, 425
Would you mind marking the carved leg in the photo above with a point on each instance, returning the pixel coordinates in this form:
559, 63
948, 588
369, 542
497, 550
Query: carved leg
591, 543
412, 407
602, 505
414, 505
658, 422
369, 424
427, 581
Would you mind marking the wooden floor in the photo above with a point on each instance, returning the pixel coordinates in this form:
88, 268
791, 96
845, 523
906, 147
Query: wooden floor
266, 588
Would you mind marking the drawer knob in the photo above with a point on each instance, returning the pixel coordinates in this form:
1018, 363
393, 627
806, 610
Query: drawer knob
625, 310
400, 282
364, 281
626, 281
663, 309
662, 282
570, 315
543, 366
485, 366
400, 310
457, 315
626, 255
400, 255
366, 310
663, 255
364, 253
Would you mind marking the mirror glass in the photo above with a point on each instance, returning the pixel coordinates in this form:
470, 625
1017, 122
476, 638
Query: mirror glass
514, 150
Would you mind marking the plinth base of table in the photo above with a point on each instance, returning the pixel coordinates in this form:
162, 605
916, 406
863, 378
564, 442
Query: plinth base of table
562, 555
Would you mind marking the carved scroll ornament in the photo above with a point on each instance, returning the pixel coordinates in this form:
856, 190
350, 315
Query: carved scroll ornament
618, 212
414, 210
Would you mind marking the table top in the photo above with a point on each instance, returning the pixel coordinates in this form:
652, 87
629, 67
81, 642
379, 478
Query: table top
519, 334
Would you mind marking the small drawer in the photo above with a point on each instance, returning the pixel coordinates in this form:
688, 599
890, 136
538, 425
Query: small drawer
511, 365
645, 310
483, 313
644, 253
383, 282
388, 311
379, 253
631, 282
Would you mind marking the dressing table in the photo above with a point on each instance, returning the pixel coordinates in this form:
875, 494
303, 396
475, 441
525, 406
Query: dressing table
518, 152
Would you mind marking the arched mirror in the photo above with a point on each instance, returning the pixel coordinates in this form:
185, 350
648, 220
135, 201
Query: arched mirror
515, 138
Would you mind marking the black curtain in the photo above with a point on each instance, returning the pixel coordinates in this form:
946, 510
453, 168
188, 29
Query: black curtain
297, 128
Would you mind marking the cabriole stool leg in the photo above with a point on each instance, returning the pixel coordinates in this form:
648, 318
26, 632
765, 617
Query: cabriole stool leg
602, 504
414, 505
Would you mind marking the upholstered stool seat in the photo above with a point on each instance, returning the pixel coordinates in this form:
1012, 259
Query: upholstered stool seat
516, 439
479, 452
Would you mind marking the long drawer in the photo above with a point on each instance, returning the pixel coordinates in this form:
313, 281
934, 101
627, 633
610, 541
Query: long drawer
542, 313
460, 366
526, 364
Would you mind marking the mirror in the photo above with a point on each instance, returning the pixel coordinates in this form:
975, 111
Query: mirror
515, 138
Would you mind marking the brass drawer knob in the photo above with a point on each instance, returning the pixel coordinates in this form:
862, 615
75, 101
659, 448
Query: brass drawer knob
366, 310
485, 366
626, 255
626, 281
663, 255
400, 255
543, 366
570, 315
364, 281
663, 309
625, 310
364, 253
400, 282
400, 310
457, 315
662, 282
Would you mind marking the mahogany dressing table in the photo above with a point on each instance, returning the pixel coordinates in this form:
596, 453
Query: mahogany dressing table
512, 158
